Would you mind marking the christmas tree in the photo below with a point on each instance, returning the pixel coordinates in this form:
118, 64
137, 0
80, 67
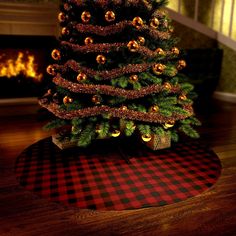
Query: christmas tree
117, 73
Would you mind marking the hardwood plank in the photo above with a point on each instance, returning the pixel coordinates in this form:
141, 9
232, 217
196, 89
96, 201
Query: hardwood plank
211, 213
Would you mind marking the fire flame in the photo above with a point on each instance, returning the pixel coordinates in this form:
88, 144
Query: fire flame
12, 68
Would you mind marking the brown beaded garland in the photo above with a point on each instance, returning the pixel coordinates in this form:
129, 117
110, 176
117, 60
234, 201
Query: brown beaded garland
154, 23
85, 16
141, 40
137, 22
56, 54
51, 70
88, 41
110, 16
133, 46
101, 59
81, 77
158, 68
181, 64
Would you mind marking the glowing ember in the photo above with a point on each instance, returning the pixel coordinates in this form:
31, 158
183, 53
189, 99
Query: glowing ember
23, 65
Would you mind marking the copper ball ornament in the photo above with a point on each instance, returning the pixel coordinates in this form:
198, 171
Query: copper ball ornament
67, 100
86, 17
101, 59
175, 50
154, 23
181, 64
160, 51
56, 54
167, 86
146, 137
168, 125
62, 17
81, 77
65, 31
88, 40
96, 99
133, 78
115, 133
51, 70
137, 22
133, 46
110, 16
154, 108
158, 68
141, 40
124, 108
183, 97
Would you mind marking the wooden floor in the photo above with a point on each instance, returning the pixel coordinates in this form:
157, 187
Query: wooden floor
211, 213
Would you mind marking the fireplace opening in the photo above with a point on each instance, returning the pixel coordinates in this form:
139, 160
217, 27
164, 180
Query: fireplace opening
23, 62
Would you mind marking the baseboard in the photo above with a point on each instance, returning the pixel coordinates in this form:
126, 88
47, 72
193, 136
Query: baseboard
223, 96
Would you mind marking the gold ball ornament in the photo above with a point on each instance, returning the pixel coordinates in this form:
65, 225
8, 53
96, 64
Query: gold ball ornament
154, 23
81, 77
146, 137
168, 125
88, 41
175, 51
154, 109
115, 133
101, 59
62, 17
51, 70
167, 86
158, 68
181, 64
133, 78
133, 46
85, 17
65, 31
137, 22
141, 40
56, 54
160, 51
67, 100
96, 99
110, 16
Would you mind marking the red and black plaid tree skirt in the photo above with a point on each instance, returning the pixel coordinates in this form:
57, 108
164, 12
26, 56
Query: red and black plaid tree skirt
98, 178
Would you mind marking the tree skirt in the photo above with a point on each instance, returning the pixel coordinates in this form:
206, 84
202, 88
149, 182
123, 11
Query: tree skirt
98, 177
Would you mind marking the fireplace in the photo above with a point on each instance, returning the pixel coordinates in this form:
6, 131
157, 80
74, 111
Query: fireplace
23, 62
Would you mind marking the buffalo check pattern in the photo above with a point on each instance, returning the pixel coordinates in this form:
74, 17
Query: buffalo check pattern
96, 178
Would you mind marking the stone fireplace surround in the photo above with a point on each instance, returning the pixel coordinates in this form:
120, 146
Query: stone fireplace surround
26, 19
